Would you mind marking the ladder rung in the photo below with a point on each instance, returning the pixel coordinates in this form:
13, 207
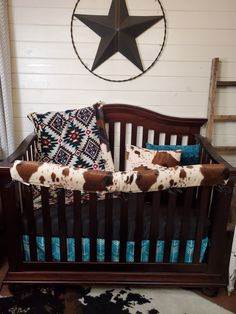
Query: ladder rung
226, 83
226, 149
225, 118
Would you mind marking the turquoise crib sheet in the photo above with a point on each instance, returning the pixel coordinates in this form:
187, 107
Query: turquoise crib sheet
115, 250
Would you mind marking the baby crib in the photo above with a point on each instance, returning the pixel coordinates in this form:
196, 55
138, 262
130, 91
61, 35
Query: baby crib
176, 237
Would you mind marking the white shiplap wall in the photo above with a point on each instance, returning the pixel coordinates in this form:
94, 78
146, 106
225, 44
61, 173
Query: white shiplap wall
48, 76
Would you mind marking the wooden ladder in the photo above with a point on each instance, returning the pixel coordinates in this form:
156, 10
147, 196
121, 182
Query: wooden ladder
212, 117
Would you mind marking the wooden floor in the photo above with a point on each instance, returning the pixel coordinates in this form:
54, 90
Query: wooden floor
222, 299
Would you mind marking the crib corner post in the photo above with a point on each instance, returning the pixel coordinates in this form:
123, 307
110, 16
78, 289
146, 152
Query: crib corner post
219, 237
11, 229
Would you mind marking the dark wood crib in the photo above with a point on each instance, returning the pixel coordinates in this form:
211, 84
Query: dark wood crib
211, 205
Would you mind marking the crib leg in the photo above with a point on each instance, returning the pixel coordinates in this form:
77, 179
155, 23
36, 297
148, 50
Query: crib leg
210, 292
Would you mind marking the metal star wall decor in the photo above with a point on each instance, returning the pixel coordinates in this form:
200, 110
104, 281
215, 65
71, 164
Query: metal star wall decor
118, 32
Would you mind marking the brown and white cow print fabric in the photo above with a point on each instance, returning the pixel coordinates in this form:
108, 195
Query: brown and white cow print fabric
144, 158
53, 175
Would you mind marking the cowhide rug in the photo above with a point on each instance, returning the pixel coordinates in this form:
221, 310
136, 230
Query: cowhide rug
100, 300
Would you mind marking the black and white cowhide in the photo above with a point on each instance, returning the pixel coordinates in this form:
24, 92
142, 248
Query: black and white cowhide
117, 301
105, 300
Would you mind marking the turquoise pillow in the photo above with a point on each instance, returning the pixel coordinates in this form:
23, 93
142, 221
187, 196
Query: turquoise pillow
189, 153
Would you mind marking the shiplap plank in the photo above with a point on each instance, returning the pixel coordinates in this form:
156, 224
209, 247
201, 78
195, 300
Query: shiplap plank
225, 128
21, 111
228, 108
89, 82
225, 140
161, 68
69, 66
72, 97
171, 53
38, 33
190, 5
179, 19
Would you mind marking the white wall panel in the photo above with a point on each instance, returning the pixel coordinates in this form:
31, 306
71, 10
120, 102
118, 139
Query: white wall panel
161, 68
71, 66
171, 53
71, 97
180, 5
61, 34
48, 76
86, 82
175, 19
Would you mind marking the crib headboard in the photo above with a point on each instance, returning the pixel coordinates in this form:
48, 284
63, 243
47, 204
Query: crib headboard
136, 125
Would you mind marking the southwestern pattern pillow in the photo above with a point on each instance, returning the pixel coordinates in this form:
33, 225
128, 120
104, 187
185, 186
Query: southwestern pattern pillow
71, 138
141, 158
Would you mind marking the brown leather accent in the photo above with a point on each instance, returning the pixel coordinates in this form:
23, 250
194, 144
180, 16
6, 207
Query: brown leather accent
141, 168
165, 159
214, 174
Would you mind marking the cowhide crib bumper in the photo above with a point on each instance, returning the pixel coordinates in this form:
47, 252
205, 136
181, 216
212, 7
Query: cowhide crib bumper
56, 176
161, 218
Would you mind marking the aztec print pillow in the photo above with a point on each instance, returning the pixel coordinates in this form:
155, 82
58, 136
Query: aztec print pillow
141, 158
72, 138
189, 153
69, 138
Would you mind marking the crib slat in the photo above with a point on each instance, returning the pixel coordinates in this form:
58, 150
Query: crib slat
31, 226
108, 227
77, 225
111, 137
122, 145
29, 157
34, 149
156, 138
134, 134
145, 137
138, 227
93, 226
62, 225
47, 227
185, 223
169, 225
154, 225
191, 140
123, 226
179, 139
204, 201
167, 139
